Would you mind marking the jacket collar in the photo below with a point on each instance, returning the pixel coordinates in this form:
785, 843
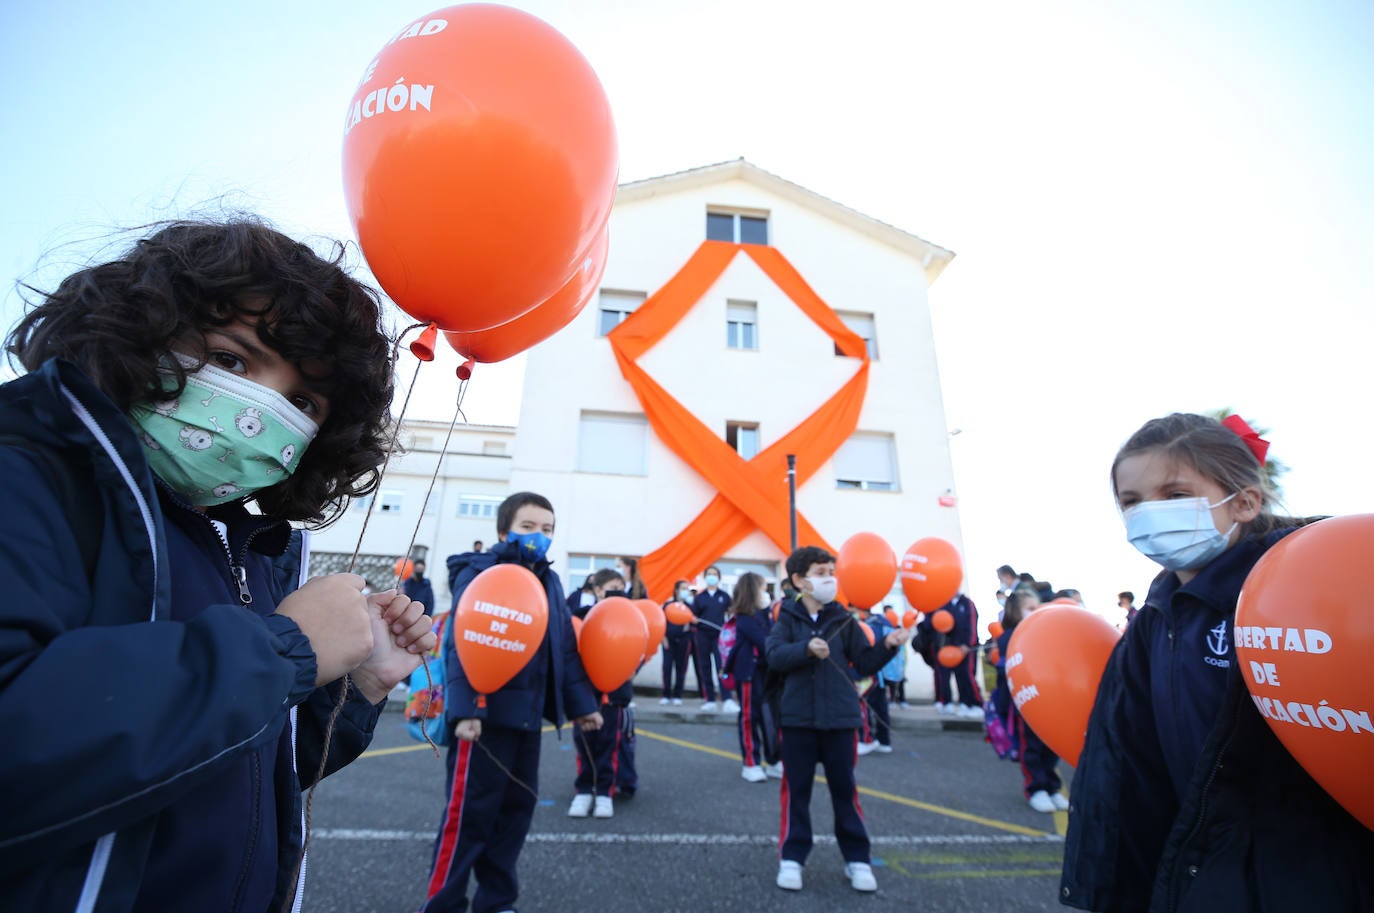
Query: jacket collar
1217, 584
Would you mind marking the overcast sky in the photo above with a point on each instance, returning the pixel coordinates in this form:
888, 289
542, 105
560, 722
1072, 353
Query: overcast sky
1155, 207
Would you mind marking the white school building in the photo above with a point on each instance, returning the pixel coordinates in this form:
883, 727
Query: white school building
743, 359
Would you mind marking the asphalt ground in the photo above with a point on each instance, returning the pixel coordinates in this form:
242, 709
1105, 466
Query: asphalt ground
950, 830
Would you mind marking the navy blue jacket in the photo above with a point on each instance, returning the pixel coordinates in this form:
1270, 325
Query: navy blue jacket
1184, 799
551, 686
420, 590
820, 693
711, 607
965, 630
748, 658
145, 698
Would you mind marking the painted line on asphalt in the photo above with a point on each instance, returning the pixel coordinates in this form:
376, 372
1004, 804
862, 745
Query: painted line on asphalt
868, 791
381, 752
338, 833
988, 873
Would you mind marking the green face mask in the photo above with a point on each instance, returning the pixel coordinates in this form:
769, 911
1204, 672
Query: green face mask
224, 438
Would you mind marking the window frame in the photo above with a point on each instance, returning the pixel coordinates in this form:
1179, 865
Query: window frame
735, 330
602, 310
736, 217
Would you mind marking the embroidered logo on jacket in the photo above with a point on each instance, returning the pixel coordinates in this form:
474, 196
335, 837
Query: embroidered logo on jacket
1216, 641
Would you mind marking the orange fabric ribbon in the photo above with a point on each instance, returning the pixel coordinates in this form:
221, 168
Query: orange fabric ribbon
745, 500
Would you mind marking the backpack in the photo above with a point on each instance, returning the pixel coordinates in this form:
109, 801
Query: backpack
425, 707
999, 733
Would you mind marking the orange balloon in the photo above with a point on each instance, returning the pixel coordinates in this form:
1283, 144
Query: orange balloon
865, 569
655, 621
942, 621
501, 342
994, 655
868, 633
950, 656
996, 629
404, 567
909, 618
614, 636
479, 165
892, 617
931, 573
1054, 663
577, 628
678, 614
1304, 635
499, 624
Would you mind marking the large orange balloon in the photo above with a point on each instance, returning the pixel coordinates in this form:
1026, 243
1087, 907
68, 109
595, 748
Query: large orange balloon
499, 624
678, 613
865, 569
892, 617
501, 342
404, 567
995, 629
479, 165
931, 573
614, 636
942, 621
655, 621
1304, 635
950, 656
909, 618
1055, 660
867, 633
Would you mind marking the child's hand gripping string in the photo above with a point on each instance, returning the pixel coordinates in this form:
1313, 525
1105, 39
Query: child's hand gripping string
401, 634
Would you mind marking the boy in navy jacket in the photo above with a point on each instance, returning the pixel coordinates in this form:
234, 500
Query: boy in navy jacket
493, 784
814, 643
709, 607
195, 686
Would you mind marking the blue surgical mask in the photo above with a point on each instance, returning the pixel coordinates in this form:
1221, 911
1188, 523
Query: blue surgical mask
1177, 534
712, 580
532, 547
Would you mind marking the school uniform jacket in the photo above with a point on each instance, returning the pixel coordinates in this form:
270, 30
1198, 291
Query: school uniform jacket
747, 658
131, 708
1184, 799
820, 693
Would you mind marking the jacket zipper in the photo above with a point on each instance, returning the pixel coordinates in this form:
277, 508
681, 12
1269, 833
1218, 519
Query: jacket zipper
238, 573
1201, 815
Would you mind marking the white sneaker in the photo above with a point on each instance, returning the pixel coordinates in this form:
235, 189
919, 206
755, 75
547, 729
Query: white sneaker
883, 749
867, 748
1061, 802
789, 875
972, 712
939, 707
730, 706
581, 805
708, 707
1041, 801
949, 709
604, 808
754, 774
677, 702
663, 702
861, 876
774, 771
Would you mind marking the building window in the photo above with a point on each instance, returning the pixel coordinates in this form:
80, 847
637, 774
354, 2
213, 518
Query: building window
493, 448
733, 226
613, 443
867, 462
390, 502
360, 504
478, 507
741, 325
615, 307
863, 325
743, 437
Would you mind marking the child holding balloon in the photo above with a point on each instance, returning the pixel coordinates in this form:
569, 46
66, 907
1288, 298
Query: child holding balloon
492, 791
599, 753
212, 366
677, 646
1184, 798
1039, 763
745, 668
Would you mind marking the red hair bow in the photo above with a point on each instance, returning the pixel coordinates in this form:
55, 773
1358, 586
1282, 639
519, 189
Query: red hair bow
1258, 445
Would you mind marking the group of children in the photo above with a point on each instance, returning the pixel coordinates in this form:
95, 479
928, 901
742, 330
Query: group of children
215, 365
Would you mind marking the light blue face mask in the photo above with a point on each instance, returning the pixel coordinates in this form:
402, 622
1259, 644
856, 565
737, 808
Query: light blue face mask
1179, 534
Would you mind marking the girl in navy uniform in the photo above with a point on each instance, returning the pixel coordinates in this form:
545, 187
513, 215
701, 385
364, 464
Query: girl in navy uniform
600, 754
1039, 763
709, 606
1184, 799
677, 648
745, 669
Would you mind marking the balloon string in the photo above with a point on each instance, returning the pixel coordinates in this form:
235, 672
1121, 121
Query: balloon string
580, 733
443, 452
310, 796
506, 770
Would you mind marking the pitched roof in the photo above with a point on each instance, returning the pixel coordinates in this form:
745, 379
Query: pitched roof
932, 257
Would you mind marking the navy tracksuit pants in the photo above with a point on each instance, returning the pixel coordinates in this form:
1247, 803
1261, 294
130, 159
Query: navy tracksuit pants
758, 733
965, 679
485, 821
1038, 761
676, 652
876, 716
708, 666
836, 750
602, 755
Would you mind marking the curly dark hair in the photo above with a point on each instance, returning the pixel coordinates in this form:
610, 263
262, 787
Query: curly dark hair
120, 321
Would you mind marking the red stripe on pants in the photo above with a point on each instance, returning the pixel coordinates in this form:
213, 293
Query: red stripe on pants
453, 815
783, 823
747, 721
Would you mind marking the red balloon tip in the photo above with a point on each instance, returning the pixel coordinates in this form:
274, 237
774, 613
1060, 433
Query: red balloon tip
423, 347
465, 369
